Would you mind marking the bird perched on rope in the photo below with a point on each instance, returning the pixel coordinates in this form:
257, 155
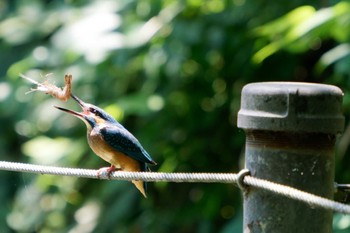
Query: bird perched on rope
112, 142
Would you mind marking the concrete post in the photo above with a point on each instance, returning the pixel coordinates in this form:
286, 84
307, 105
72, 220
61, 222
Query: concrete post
290, 135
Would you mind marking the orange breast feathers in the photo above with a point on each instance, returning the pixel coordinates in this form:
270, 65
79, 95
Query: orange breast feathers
112, 156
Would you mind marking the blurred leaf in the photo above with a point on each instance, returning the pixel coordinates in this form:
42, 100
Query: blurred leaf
282, 25
341, 223
330, 57
283, 31
299, 29
44, 150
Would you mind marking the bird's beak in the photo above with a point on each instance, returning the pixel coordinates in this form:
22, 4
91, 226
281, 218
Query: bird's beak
78, 114
79, 101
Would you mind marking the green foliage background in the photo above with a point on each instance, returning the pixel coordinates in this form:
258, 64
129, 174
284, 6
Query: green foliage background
171, 71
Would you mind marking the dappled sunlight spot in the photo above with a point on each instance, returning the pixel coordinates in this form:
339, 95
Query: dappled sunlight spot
44, 150
16, 221
35, 73
143, 8
45, 182
15, 30
215, 59
134, 103
341, 222
66, 122
220, 98
93, 35
173, 66
21, 28
227, 212
208, 104
49, 202
76, 70
41, 53
31, 203
344, 222
239, 2
170, 163
315, 43
21, 96
219, 85
74, 197
155, 102
55, 220
66, 184
5, 90
67, 192
145, 31
116, 111
195, 3
24, 128
45, 113
23, 215
44, 125
210, 7
196, 194
180, 101
179, 136
87, 217
155, 58
190, 67
157, 55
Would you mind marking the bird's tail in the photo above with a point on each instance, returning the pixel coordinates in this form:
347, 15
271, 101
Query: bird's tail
140, 185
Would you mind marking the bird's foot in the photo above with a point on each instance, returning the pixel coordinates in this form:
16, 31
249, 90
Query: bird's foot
104, 172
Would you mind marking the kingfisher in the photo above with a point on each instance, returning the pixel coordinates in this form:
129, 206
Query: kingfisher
112, 142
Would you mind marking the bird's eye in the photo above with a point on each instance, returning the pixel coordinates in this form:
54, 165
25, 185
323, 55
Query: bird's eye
93, 110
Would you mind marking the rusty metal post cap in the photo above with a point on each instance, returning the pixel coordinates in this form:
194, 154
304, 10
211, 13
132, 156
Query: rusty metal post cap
291, 106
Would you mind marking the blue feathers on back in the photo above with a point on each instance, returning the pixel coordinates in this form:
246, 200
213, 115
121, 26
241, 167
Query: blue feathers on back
122, 140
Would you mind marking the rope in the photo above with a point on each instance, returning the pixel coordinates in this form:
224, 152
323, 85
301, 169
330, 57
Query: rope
122, 175
296, 194
242, 179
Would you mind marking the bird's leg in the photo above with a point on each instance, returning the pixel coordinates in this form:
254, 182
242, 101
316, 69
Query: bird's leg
106, 171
